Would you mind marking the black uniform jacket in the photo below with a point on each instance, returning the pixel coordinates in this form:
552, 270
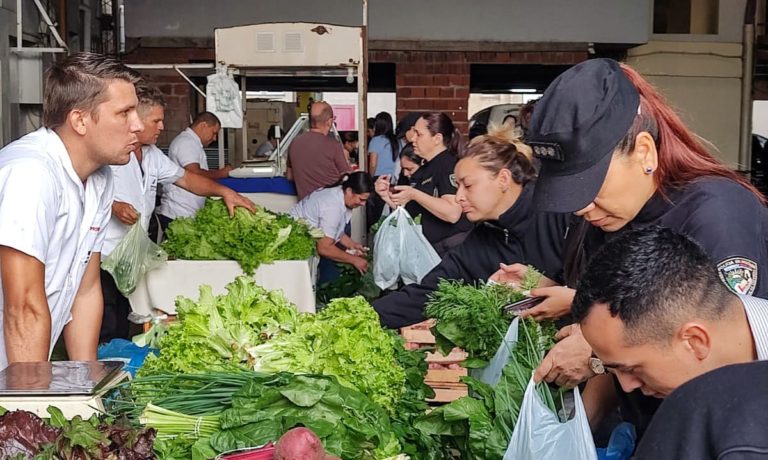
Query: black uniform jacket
435, 178
729, 222
722, 414
520, 235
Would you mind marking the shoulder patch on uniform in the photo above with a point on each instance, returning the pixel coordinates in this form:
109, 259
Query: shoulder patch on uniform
452, 178
739, 274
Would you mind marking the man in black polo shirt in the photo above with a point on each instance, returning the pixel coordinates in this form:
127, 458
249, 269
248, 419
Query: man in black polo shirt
653, 309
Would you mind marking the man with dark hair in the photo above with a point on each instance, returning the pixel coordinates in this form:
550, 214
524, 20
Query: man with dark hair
55, 198
135, 194
654, 310
266, 148
315, 159
188, 151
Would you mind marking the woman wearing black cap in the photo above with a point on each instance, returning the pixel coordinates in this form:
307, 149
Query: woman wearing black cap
432, 193
614, 153
495, 179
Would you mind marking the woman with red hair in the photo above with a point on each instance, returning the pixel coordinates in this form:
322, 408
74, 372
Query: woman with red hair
615, 154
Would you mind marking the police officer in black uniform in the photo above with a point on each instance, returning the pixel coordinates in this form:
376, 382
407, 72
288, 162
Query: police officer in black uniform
507, 228
433, 186
616, 154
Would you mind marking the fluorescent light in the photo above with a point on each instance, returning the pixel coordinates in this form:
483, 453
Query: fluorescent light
523, 90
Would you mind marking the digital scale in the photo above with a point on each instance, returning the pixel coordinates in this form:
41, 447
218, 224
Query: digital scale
75, 387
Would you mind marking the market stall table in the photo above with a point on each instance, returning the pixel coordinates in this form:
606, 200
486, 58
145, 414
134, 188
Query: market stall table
276, 194
159, 288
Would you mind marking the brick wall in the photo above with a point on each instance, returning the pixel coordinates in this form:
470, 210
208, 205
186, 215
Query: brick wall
177, 91
425, 80
439, 80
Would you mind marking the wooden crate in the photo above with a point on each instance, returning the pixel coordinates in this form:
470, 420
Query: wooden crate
447, 392
445, 382
437, 376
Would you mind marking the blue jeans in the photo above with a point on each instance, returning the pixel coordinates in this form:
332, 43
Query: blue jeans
327, 271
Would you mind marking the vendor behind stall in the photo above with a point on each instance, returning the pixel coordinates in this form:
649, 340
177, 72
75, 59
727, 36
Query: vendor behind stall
55, 197
188, 151
330, 210
134, 199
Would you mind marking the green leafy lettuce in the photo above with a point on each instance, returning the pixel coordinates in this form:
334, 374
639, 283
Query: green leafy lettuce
249, 238
216, 331
344, 340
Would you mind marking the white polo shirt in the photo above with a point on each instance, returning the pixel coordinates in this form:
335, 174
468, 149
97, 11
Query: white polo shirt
325, 209
139, 189
49, 214
176, 202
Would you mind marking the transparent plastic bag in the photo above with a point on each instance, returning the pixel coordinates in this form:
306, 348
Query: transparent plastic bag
491, 373
401, 251
133, 256
539, 433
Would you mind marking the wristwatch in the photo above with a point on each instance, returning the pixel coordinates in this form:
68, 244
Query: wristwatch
596, 365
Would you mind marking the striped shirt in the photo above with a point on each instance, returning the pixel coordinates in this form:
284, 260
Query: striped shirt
757, 315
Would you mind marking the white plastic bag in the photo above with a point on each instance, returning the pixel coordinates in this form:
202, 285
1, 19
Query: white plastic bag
401, 251
539, 434
133, 256
223, 98
491, 373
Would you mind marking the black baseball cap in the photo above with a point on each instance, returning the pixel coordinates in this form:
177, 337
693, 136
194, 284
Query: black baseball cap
575, 127
406, 123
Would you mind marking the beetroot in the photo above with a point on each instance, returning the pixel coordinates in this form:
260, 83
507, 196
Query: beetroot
299, 444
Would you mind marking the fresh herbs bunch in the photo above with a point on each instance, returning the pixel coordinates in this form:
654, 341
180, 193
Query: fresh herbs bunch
471, 317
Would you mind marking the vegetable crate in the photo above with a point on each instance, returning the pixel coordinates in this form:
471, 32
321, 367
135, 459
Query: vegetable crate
445, 371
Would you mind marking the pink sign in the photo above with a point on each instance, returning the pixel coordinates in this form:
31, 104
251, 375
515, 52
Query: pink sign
345, 117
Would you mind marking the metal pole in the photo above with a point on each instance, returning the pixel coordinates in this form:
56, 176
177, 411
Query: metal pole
359, 225
745, 138
244, 131
176, 68
48, 21
19, 25
362, 94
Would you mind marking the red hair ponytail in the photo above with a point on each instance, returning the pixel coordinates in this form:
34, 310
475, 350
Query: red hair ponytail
682, 157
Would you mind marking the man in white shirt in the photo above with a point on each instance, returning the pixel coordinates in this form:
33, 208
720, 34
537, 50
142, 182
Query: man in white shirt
55, 198
187, 150
134, 199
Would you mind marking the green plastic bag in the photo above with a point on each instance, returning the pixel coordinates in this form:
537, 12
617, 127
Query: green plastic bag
133, 256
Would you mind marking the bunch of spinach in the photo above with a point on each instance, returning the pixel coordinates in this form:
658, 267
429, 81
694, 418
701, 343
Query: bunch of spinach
413, 404
481, 425
249, 238
247, 409
471, 317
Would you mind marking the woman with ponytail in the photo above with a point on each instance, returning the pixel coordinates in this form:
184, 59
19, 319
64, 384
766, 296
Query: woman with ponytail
495, 182
330, 210
432, 193
615, 154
